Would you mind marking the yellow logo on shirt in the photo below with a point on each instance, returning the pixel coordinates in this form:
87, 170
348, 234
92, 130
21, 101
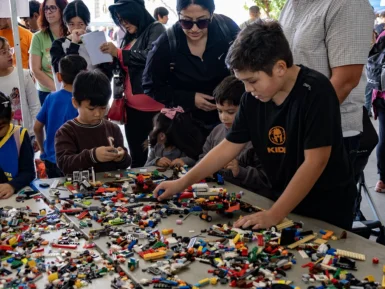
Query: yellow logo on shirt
277, 136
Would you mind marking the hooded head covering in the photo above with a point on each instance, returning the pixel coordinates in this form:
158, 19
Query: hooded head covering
134, 12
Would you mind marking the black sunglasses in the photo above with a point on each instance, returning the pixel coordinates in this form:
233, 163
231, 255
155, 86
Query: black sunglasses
188, 24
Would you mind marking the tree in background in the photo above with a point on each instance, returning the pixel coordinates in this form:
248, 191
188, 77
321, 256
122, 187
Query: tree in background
272, 8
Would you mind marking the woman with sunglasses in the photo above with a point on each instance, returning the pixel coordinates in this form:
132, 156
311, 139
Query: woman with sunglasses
141, 31
187, 74
52, 27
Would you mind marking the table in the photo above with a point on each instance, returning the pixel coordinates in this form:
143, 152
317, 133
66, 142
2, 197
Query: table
36, 207
198, 271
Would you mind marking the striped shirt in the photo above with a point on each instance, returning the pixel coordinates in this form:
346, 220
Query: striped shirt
332, 33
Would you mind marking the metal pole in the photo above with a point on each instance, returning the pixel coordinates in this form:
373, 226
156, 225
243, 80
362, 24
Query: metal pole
19, 63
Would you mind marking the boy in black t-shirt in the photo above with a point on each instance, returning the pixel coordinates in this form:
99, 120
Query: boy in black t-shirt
291, 115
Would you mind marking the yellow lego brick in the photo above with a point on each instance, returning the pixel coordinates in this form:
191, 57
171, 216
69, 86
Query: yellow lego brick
156, 255
24, 260
52, 277
320, 241
236, 238
32, 263
200, 248
352, 255
370, 278
12, 241
214, 281
383, 269
383, 282
204, 281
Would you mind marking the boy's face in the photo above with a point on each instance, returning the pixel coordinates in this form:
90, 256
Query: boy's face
262, 86
6, 56
89, 114
227, 113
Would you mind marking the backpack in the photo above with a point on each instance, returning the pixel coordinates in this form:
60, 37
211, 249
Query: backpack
173, 43
375, 72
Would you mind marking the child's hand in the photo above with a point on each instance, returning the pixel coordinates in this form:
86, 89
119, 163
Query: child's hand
106, 154
234, 167
177, 162
6, 191
260, 220
121, 154
163, 162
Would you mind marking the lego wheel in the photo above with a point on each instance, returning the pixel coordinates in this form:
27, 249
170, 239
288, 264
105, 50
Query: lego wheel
209, 218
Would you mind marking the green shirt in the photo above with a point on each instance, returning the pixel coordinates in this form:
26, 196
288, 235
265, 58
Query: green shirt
41, 46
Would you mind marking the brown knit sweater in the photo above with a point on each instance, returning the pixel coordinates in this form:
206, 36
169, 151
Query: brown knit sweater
76, 143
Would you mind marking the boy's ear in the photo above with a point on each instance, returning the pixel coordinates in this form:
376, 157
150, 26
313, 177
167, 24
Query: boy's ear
36, 15
75, 103
59, 78
280, 67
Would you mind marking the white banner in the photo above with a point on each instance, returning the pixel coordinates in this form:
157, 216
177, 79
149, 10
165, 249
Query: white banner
22, 8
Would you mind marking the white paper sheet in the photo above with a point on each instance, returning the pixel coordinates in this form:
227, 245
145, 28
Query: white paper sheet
22, 7
92, 41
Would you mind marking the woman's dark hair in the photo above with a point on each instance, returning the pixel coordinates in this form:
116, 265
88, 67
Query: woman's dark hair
133, 11
74, 9
206, 4
43, 23
5, 107
93, 86
180, 132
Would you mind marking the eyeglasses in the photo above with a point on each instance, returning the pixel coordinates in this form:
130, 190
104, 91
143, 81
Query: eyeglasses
51, 8
4, 52
189, 24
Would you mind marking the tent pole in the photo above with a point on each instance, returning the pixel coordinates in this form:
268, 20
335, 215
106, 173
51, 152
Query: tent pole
19, 63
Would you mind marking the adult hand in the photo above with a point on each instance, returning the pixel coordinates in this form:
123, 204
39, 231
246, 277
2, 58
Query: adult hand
106, 154
170, 188
109, 48
75, 35
163, 162
121, 154
260, 220
202, 102
234, 167
177, 162
6, 191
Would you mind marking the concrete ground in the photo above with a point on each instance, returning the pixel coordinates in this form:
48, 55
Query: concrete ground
371, 180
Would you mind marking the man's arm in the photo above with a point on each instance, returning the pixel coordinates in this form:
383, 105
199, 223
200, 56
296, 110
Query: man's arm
39, 133
345, 78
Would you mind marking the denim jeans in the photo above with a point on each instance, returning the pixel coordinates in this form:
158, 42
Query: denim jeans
42, 96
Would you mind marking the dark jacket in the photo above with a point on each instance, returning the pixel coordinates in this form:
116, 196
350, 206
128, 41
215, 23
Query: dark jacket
135, 58
190, 74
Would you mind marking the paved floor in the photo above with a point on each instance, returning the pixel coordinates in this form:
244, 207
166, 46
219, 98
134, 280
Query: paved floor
371, 180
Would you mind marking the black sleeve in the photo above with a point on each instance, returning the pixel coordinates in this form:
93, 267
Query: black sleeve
26, 172
322, 115
57, 52
156, 77
240, 132
138, 57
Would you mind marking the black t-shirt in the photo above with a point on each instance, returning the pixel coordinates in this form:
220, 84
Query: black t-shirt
308, 118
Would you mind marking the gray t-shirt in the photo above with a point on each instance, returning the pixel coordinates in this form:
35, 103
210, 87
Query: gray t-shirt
328, 34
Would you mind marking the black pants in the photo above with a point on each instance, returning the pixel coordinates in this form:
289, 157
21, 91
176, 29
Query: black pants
380, 108
352, 144
52, 170
138, 127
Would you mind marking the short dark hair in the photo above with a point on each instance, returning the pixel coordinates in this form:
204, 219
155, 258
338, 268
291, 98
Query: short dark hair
230, 90
70, 66
258, 47
206, 4
161, 12
34, 7
74, 9
93, 86
5, 107
3, 41
254, 9
382, 14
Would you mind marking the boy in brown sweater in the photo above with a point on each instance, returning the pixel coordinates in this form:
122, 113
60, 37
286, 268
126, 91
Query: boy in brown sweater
89, 140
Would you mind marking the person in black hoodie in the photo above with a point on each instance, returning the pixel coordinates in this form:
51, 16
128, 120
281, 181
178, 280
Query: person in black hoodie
185, 70
141, 31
